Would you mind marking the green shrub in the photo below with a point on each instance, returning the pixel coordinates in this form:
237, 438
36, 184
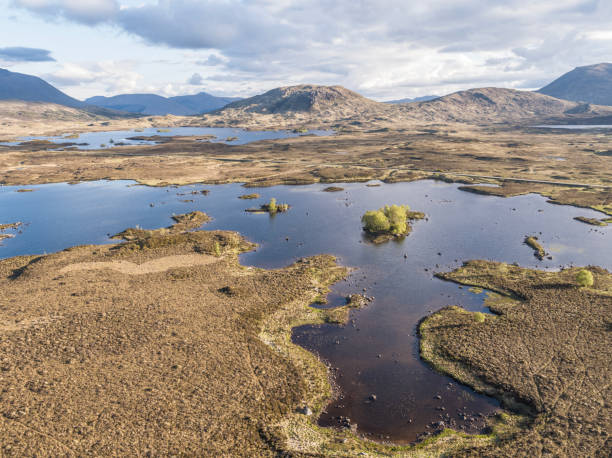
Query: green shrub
397, 216
375, 221
272, 205
584, 278
479, 317
387, 219
217, 249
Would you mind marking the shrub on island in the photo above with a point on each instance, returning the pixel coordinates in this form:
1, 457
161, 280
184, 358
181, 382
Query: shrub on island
584, 278
271, 207
388, 221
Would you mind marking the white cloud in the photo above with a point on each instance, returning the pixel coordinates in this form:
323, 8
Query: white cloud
387, 48
113, 76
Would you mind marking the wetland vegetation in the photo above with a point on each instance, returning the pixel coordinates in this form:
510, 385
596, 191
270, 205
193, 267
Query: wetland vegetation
389, 222
140, 262
538, 250
272, 207
532, 354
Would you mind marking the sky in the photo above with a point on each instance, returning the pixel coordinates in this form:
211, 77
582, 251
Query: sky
385, 49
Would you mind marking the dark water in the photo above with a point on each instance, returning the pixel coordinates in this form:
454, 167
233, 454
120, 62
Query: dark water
377, 352
111, 139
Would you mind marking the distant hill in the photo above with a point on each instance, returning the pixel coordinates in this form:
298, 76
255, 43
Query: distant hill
203, 102
493, 105
16, 115
590, 84
147, 104
17, 86
424, 98
152, 104
306, 98
334, 106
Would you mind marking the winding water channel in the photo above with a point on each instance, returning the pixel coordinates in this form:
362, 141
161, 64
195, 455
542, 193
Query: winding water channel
377, 352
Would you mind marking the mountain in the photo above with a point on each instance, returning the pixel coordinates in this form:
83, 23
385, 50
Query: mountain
424, 98
17, 86
496, 105
152, 104
147, 104
203, 102
306, 98
335, 106
590, 84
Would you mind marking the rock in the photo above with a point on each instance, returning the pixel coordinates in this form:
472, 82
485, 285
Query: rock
305, 411
372, 397
437, 396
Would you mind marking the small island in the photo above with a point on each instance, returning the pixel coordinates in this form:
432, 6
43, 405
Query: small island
538, 250
9, 226
591, 221
249, 196
389, 222
271, 207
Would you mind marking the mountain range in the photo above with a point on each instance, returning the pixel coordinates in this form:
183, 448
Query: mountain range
27, 88
335, 104
423, 98
576, 94
152, 104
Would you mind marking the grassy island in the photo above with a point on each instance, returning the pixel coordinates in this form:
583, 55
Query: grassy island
388, 222
271, 207
538, 250
249, 196
9, 226
591, 221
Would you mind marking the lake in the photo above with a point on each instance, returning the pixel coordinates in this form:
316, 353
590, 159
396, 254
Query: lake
115, 138
377, 351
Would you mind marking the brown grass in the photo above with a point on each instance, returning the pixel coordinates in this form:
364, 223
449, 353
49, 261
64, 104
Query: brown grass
546, 353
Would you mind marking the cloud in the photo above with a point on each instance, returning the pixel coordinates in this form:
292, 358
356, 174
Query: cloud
212, 61
83, 11
374, 47
205, 24
195, 80
20, 54
113, 76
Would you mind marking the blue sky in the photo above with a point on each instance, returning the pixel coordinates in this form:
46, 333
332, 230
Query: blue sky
383, 49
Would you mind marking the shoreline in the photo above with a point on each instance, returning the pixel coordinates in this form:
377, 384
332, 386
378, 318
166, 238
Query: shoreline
151, 253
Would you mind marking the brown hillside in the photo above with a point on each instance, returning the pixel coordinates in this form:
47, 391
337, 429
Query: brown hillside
493, 105
335, 106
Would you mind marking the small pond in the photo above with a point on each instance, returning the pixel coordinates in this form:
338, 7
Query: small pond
115, 138
377, 352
